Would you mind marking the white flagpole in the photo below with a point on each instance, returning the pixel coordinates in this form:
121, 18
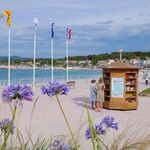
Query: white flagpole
34, 51
52, 65
9, 56
34, 55
67, 59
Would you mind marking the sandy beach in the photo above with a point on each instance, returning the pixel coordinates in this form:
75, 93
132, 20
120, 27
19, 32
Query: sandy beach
47, 118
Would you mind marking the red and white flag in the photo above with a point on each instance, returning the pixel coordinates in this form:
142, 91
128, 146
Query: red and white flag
68, 34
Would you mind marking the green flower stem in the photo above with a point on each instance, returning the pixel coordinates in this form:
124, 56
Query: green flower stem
92, 131
99, 145
4, 135
9, 131
71, 133
98, 139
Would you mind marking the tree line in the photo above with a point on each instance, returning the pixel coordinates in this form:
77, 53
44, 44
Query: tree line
93, 58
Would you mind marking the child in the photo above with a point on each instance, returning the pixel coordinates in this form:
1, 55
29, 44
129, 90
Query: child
100, 95
93, 93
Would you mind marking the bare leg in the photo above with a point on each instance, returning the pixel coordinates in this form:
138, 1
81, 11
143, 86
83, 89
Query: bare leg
97, 106
101, 105
93, 105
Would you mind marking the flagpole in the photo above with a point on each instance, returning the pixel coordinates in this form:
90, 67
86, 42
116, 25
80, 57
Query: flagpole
67, 42
120, 54
52, 68
34, 55
9, 56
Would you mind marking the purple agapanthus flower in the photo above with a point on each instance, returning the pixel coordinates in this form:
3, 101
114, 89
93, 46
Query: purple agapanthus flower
5, 125
18, 92
64, 146
100, 129
57, 144
109, 122
55, 89
88, 133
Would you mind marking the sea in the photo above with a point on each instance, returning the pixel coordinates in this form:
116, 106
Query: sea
24, 76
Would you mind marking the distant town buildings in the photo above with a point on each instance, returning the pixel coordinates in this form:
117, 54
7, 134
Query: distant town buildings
81, 64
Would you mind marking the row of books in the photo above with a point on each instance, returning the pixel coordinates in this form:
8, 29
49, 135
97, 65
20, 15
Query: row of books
129, 88
130, 82
130, 75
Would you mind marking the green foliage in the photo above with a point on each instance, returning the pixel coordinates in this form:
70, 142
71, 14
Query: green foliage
59, 62
145, 92
130, 139
92, 132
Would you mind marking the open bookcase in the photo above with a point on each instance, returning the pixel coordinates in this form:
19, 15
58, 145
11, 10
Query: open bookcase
106, 76
131, 87
121, 86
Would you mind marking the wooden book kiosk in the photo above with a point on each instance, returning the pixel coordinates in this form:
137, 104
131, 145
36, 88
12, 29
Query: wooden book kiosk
121, 86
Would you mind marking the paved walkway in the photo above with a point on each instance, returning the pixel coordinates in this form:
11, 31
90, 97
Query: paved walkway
48, 120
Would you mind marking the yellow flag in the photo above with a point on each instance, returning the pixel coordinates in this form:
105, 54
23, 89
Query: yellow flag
8, 15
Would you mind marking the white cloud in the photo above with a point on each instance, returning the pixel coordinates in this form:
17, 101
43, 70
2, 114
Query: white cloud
97, 26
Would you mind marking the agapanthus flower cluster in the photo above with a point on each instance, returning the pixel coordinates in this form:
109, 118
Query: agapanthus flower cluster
109, 122
5, 125
100, 129
17, 92
55, 89
59, 145
87, 133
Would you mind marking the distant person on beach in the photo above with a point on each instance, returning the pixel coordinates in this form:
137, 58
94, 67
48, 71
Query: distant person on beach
93, 90
100, 95
146, 79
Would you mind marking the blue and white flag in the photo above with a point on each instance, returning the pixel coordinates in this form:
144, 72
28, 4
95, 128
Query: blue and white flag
52, 30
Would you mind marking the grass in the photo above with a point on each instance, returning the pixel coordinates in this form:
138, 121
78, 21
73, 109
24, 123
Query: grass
131, 140
145, 92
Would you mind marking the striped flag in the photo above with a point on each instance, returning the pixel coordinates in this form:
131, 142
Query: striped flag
7, 13
52, 30
69, 34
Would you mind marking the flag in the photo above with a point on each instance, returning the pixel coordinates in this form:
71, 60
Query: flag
1, 16
35, 22
69, 34
8, 15
52, 30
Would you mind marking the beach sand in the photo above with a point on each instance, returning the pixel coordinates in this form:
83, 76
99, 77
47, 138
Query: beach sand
47, 118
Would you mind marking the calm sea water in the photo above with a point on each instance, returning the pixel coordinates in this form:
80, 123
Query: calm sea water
42, 75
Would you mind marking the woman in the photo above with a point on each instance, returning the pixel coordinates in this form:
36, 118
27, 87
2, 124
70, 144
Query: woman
93, 93
100, 95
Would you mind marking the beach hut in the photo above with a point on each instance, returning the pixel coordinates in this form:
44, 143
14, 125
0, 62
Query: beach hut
121, 86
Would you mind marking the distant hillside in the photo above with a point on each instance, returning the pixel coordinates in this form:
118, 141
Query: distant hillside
2, 58
113, 55
105, 56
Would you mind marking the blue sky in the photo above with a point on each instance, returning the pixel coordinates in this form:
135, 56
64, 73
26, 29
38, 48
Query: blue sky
98, 26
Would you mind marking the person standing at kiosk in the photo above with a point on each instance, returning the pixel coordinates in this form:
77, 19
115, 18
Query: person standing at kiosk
100, 95
93, 93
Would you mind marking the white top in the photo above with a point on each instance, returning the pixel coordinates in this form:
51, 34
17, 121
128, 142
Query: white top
146, 78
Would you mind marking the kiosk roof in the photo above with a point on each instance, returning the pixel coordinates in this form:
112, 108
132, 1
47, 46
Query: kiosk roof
121, 65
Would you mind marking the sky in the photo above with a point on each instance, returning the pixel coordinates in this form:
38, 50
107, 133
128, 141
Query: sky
98, 26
